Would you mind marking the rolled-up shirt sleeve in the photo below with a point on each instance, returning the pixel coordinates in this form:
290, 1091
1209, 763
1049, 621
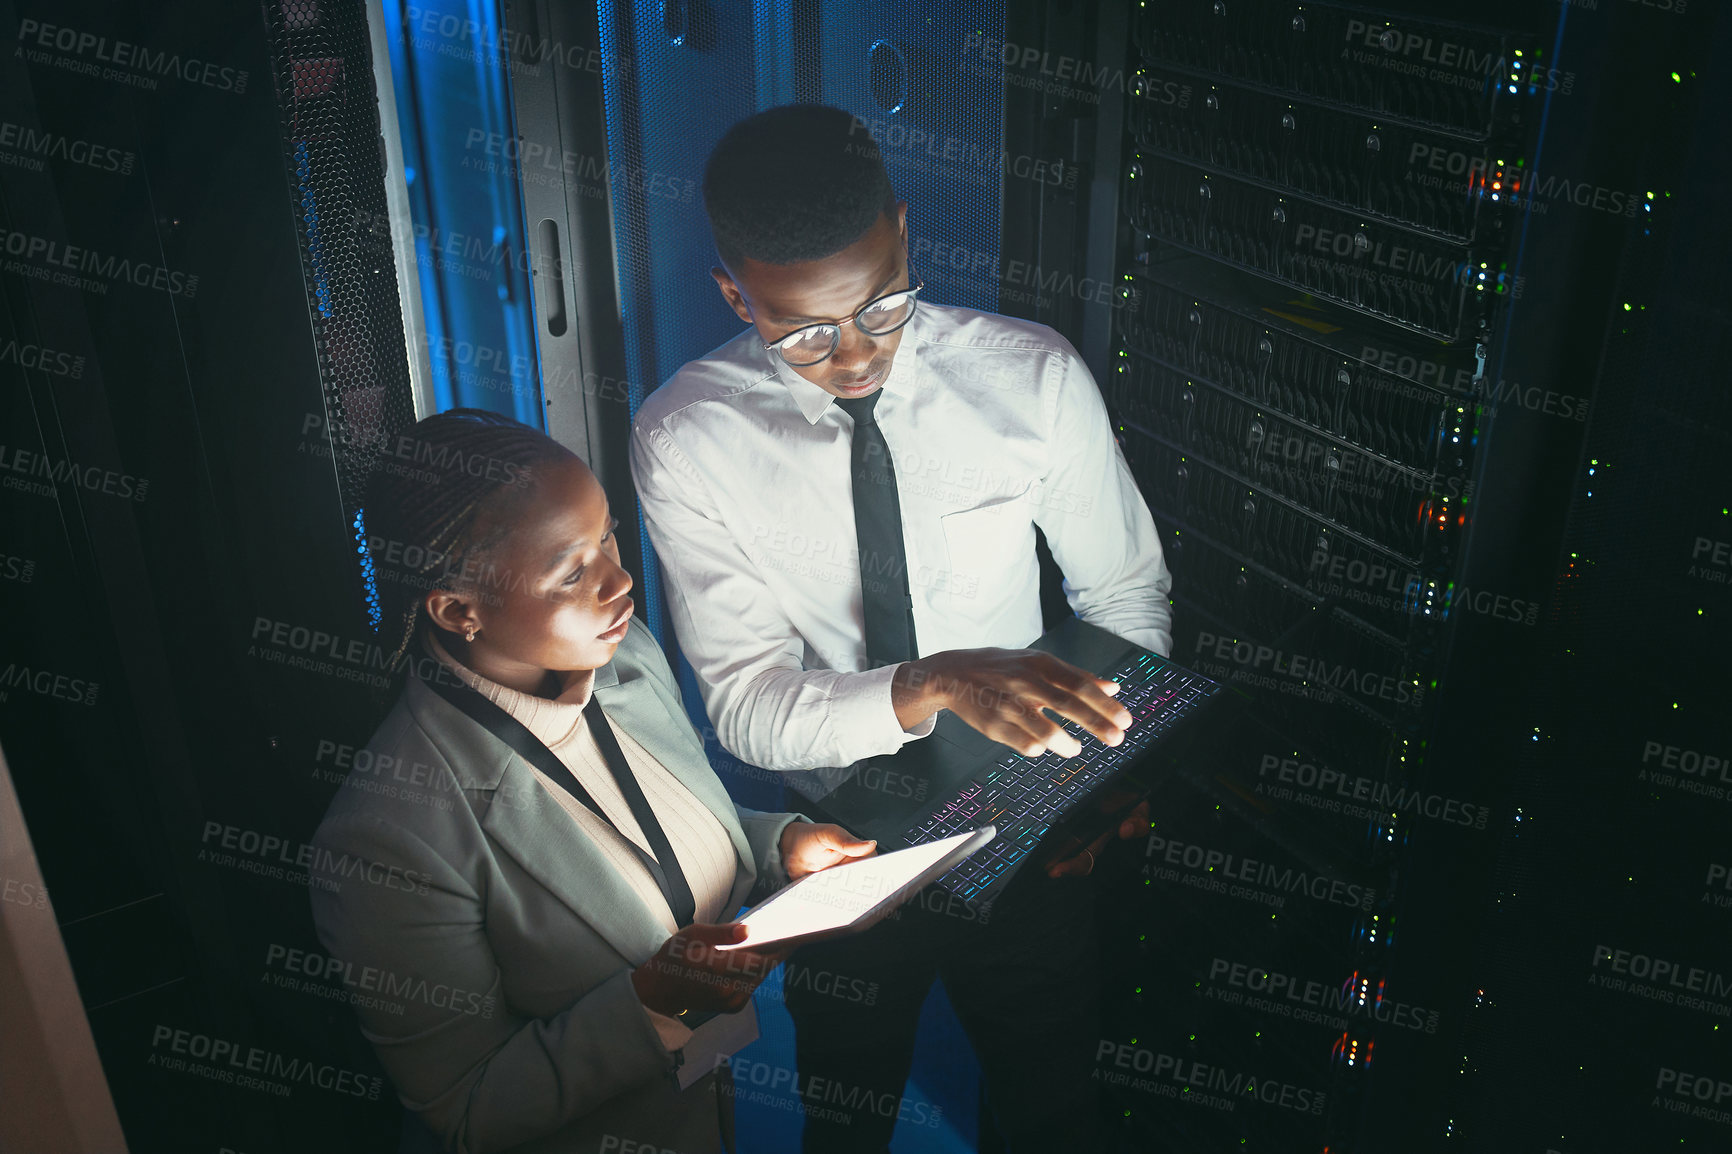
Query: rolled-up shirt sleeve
767, 708
1096, 523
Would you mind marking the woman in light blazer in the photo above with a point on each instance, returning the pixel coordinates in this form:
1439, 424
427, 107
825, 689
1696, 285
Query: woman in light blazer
501, 907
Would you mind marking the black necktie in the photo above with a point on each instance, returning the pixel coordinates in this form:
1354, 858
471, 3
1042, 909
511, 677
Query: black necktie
888, 607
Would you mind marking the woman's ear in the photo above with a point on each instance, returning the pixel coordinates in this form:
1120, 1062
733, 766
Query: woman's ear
450, 611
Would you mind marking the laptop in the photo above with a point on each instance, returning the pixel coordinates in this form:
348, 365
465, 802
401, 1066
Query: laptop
1044, 807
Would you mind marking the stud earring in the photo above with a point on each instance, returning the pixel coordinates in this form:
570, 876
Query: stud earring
469, 634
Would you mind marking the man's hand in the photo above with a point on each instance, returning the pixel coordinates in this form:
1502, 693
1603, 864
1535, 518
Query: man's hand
688, 973
1001, 692
1082, 862
808, 848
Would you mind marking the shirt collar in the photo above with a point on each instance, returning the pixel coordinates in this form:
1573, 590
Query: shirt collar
813, 402
553, 720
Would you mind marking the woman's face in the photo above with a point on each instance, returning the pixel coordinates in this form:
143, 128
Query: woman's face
552, 595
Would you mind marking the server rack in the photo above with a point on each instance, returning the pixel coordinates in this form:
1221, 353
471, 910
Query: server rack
1315, 258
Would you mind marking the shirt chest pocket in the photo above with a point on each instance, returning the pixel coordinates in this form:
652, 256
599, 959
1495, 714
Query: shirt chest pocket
988, 543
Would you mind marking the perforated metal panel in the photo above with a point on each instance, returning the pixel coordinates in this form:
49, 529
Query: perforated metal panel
931, 90
322, 69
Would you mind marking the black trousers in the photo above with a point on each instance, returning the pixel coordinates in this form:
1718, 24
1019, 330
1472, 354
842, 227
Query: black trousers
1024, 984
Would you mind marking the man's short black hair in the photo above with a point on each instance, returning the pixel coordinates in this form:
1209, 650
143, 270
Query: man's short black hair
795, 183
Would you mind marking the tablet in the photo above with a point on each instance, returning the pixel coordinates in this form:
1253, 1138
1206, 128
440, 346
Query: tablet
849, 898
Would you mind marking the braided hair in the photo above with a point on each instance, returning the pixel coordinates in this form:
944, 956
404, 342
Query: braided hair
438, 502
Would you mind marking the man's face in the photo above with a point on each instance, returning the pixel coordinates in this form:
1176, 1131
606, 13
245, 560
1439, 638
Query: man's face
779, 298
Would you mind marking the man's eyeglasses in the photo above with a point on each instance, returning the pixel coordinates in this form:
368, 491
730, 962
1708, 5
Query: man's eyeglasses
813, 344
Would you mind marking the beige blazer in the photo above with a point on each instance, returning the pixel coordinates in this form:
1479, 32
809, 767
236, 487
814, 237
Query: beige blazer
499, 939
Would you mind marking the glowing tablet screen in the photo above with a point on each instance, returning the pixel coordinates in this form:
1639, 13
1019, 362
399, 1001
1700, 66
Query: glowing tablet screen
839, 896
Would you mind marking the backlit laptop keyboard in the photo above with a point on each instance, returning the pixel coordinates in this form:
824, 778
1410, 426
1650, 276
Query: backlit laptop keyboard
1026, 796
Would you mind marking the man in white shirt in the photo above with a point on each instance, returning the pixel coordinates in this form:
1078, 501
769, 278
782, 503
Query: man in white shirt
844, 499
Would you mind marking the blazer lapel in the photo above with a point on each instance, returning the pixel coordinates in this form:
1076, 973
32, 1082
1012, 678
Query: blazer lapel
532, 828
658, 723
525, 822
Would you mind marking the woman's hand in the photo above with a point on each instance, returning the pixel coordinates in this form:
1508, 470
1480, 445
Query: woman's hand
688, 973
808, 848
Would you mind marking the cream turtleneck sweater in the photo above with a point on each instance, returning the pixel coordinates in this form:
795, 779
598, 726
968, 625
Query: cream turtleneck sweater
705, 852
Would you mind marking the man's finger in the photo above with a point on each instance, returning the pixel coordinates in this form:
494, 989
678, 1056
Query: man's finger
1078, 696
1019, 737
1059, 740
1094, 711
1036, 733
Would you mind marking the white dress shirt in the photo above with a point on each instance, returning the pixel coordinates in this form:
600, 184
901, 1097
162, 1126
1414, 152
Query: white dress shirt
994, 425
